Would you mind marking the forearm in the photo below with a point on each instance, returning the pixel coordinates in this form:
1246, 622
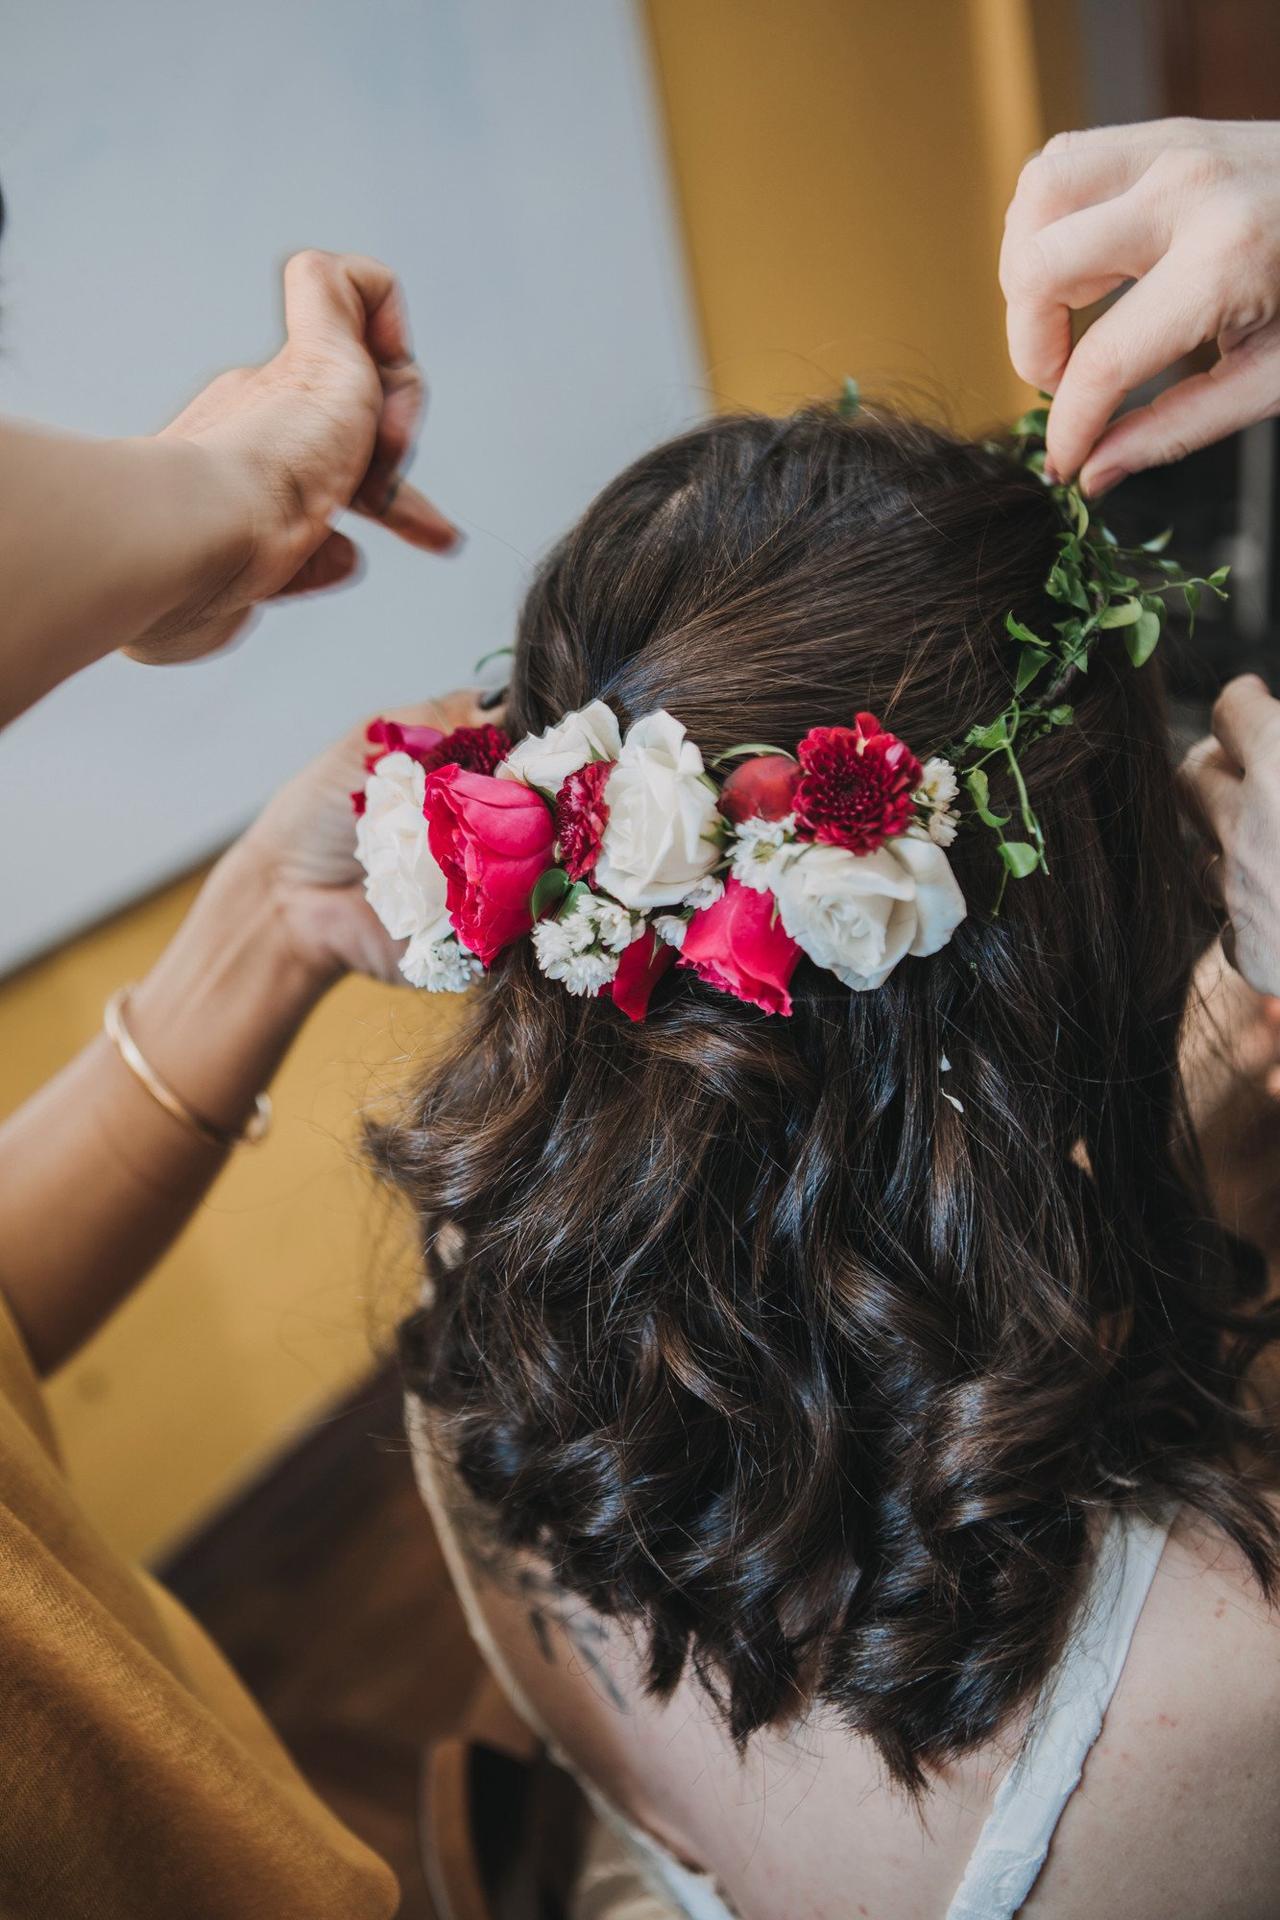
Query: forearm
104, 543
96, 1178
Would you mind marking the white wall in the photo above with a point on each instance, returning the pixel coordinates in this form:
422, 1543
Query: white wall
160, 158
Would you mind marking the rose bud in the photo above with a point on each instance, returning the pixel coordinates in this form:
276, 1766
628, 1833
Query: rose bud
761, 788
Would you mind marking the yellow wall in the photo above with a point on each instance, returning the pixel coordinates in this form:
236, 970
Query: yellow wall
841, 167
265, 1310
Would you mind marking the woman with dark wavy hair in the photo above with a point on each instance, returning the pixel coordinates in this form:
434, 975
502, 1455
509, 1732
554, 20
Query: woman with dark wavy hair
818, 1409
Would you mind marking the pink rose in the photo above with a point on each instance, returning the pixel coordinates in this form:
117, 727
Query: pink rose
761, 788
640, 967
740, 946
492, 839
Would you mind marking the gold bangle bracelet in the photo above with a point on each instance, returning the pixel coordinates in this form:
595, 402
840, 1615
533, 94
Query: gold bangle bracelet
163, 1094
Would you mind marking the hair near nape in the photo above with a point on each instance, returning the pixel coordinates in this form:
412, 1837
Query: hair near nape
810, 1359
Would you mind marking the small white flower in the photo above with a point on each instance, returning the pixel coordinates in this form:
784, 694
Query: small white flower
615, 927
583, 972
442, 966
403, 883
938, 788
670, 927
761, 848
957, 1104
551, 944
547, 759
662, 835
940, 785
705, 894
858, 915
579, 928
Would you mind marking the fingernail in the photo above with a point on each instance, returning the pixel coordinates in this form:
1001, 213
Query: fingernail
494, 698
457, 540
1103, 481
1051, 473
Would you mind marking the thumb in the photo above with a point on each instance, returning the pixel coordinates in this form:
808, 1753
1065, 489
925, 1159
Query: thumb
1242, 388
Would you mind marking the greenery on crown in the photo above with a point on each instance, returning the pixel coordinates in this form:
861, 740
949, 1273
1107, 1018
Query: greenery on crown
1102, 589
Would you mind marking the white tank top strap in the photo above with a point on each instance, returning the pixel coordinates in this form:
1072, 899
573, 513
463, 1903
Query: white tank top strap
1067, 1720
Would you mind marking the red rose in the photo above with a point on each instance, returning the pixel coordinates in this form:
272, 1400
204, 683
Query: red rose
492, 840
640, 967
761, 788
857, 784
740, 946
582, 816
389, 736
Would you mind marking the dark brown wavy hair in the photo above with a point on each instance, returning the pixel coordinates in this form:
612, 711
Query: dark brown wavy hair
813, 1377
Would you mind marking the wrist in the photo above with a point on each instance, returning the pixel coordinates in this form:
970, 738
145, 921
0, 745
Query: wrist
219, 1010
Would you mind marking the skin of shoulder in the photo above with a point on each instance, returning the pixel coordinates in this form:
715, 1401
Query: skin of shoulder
1186, 1772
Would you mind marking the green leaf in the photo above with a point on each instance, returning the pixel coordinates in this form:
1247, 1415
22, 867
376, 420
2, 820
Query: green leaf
989, 737
1019, 632
1142, 638
980, 792
850, 401
1121, 613
549, 892
577, 891
1031, 425
1031, 661
1216, 580
748, 750
1158, 543
1034, 462
1064, 583
1060, 716
1019, 857
1077, 503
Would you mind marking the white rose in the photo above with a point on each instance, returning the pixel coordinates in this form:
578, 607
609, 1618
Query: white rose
547, 759
859, 914
403, 883
661, 836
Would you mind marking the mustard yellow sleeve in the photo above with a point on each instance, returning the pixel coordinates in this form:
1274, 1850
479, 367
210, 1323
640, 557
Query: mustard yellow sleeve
137, 1777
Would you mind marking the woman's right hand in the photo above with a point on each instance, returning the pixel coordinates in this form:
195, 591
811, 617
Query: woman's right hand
1189, 210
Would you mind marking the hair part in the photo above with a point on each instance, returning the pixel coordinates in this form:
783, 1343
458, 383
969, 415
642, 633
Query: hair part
772, 1351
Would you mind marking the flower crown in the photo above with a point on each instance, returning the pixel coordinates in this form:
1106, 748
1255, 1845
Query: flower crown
622, 857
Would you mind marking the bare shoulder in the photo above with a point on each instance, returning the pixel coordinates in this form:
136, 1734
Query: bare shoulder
1175, 1812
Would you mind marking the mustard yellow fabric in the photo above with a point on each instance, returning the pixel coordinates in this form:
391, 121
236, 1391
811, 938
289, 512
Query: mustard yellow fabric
137, 1778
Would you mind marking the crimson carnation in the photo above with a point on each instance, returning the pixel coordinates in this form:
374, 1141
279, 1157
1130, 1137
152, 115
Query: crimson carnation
582, 816
856, 785
474, 749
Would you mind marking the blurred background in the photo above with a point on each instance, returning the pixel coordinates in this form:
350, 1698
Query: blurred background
610, 216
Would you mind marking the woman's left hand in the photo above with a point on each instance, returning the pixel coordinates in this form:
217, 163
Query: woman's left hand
304, 842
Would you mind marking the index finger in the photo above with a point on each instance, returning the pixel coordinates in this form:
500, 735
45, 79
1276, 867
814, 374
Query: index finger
1165, 314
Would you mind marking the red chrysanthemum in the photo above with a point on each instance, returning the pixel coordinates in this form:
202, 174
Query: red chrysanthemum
581, 817
856, 785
